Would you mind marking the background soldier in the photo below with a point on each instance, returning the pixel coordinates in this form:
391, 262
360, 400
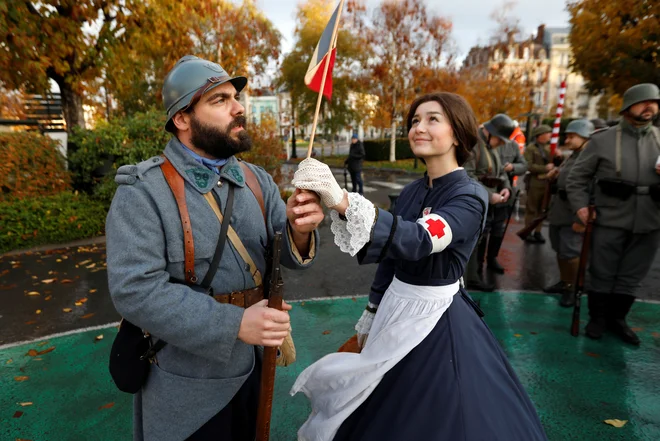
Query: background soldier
514, 165
486, 167
626, 234
354, 161
565, 228
539, 164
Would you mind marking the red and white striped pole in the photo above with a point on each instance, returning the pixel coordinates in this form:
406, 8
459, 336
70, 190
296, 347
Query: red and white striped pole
560, 110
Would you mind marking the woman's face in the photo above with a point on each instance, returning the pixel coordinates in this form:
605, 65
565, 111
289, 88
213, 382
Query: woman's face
430, 133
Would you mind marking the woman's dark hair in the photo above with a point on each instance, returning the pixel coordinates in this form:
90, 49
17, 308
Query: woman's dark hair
460, 116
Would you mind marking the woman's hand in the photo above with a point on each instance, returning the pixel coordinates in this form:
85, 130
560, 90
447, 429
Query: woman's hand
316, 176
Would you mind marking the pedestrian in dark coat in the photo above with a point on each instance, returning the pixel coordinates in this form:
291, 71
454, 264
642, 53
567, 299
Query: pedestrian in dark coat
354, 164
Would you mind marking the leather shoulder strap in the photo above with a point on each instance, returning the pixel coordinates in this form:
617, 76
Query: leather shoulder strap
253, 185
176, 183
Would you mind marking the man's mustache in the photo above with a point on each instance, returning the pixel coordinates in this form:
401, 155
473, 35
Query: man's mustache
239, 121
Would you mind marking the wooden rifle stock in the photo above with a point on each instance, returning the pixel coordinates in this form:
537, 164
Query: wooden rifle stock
582, 269
525, 232
274, 295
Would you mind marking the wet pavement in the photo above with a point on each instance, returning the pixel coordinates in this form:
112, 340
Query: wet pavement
59, 389
37, 289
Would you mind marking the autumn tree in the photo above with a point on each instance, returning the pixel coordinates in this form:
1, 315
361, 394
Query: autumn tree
11, 104
352, 51
615, 42
405, 37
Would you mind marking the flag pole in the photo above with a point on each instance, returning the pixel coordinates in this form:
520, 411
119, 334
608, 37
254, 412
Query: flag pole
325, 73
560, 110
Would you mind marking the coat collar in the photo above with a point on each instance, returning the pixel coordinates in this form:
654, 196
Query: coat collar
202, 178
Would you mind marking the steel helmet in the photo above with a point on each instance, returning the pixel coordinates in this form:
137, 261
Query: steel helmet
581, 127
541, 130
501, 126
189, 79
639, 93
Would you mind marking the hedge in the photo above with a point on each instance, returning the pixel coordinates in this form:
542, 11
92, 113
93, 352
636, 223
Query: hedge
379, 149
51, 219
30, 165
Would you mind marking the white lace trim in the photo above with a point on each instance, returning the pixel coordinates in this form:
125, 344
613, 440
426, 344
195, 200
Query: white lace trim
353, 234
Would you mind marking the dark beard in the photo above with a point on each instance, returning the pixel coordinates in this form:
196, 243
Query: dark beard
217, 143
641, 119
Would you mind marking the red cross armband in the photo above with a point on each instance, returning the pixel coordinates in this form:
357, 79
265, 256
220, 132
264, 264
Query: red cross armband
438, 230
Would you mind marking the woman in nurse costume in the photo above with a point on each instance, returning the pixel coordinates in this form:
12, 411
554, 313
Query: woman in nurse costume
429, 369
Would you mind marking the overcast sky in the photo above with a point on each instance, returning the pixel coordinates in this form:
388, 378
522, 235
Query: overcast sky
471, 18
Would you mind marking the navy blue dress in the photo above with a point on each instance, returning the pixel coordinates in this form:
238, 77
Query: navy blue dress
457, 384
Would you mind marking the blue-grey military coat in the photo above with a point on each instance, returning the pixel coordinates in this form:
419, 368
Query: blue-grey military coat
204, 364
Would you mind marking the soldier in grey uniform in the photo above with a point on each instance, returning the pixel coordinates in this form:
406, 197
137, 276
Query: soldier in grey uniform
624, 162
205, 382
514, 164
565, 227
486, 167
539, 164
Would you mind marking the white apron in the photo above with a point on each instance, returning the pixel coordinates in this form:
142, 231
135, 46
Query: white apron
339, 383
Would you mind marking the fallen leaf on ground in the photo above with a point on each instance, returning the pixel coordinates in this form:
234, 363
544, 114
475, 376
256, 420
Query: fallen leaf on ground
47, 281
90, 266
66, 281
33, 293
15, 266
616, 423
21, 378
592, 354
7, 287
45, 351
517, 335
533, 333
78, 304
326, 332
32, 353
302, 303
83, 300
35, 277
58, 260
38, 311
27, 403
98, 337
48, 298
86, 316
92, 291
84, 262
18, 414
43, 343
31, 322
354, 299
107, 406
655, 334
10, 361
67, 310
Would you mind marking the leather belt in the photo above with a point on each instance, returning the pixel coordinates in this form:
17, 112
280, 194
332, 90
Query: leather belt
244, 299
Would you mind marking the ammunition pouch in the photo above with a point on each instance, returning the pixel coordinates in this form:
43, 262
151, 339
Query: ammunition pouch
617, 188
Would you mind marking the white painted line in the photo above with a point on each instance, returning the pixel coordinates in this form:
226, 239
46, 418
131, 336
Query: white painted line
316, 299
60, 334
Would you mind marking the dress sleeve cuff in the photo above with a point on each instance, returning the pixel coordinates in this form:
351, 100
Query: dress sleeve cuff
352, 234
312, 248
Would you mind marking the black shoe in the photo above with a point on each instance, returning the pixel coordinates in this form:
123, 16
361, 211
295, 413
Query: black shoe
621, 328
567, 298
539, 237
595, 328
557, 288
495, 266
531, 239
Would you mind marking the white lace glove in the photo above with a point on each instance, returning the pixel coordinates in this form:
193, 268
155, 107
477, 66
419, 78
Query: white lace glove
316, 176
363, 325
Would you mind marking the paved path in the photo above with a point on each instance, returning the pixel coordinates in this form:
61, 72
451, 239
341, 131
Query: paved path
575, 383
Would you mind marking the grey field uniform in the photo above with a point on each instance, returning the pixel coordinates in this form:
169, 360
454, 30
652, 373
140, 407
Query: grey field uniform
204, 365
537, 156
566, 242
486, 167
626, 232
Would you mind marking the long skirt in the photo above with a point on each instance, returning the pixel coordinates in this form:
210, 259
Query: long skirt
454, 383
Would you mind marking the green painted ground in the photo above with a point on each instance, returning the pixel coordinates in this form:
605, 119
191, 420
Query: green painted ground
576, 383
